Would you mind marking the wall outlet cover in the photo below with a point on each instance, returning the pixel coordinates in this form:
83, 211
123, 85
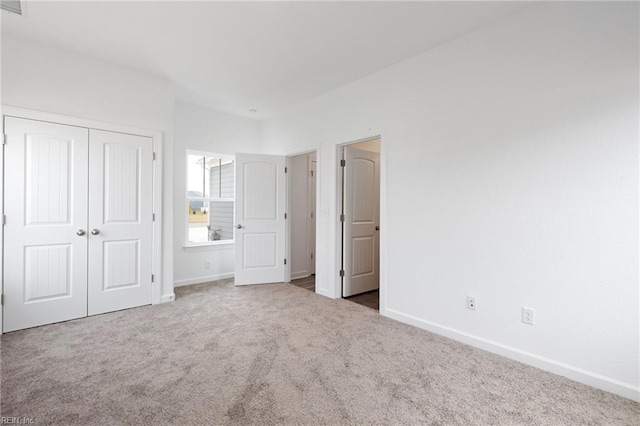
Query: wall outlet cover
528, 315
472, 303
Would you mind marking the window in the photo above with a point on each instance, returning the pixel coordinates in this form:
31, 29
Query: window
210, 198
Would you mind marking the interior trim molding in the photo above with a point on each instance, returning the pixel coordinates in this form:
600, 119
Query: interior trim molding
205, 279
577, 374
168, 298
301, 274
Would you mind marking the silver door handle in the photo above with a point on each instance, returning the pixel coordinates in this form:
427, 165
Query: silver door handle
239, 226
95, 231
80, 232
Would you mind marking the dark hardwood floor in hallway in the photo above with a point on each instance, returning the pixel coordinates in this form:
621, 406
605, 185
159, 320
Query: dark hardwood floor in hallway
370, 299
308, 283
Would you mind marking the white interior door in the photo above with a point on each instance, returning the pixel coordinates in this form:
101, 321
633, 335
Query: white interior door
46, 236
120, 221
260, 223
361, 254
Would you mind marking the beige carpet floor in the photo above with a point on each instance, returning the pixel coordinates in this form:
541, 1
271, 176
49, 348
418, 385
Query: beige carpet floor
277, 354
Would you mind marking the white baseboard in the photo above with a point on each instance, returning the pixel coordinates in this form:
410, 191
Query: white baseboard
300, 274
574, 373
324, 292
205, 279
166, 298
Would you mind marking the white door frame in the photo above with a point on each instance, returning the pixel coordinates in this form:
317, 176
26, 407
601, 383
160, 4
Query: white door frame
383, 216
30, 114
312, 219
2, 110
287, 268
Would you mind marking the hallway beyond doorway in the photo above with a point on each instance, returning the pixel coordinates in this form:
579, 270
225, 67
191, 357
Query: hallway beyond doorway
370, 299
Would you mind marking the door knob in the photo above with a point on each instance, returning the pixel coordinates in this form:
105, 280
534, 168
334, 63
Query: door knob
377, 228
80, 232
95, 231
239, 226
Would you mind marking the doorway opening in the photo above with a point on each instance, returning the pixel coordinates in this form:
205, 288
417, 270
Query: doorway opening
359, 213
302, 177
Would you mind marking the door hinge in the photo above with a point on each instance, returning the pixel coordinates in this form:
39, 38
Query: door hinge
153, 217
154, 156
4, 139
342, 272
285, 261
285, 215
311, 256
341, 218
2, 299
4, 219
152, 278
311, 215
343, 163
285, 170
311, 173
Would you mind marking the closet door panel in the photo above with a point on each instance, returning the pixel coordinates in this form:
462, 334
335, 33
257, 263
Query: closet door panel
45, 247
120, 221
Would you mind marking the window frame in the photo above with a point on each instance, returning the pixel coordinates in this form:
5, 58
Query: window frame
190, 244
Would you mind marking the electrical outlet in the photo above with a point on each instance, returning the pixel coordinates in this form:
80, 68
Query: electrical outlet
528, 316
472, 303
207, 264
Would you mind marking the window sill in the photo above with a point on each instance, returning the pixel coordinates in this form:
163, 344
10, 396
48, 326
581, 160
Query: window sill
217, 245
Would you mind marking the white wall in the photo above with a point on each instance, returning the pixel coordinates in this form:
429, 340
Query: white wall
38, 77
511, 165
203, 129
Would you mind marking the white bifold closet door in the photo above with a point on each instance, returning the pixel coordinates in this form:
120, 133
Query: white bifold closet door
78, 233
46, 205
120, 221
